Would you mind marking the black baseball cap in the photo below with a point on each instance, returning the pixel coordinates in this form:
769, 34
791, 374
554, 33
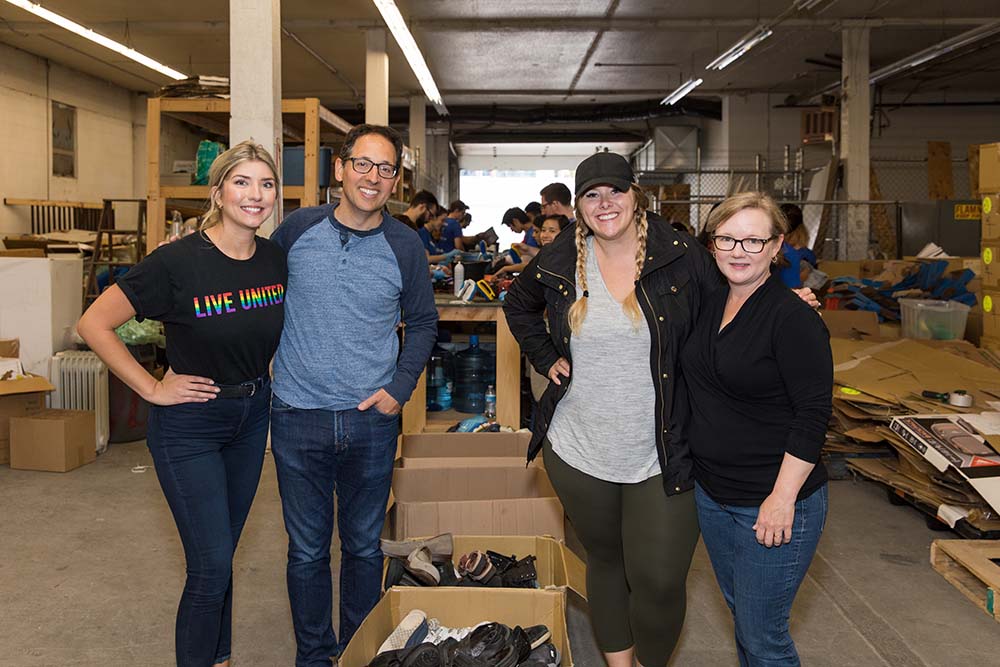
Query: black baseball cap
604, 169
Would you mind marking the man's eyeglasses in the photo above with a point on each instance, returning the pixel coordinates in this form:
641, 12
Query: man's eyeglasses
750, 245
364, 165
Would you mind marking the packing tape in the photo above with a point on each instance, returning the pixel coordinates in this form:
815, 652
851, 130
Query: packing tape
962, 400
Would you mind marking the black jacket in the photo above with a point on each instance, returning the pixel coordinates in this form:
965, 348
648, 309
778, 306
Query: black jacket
676, 273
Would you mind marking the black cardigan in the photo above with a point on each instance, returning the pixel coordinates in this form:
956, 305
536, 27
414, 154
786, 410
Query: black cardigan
760, 388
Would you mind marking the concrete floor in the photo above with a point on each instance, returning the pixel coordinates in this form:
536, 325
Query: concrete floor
91, 569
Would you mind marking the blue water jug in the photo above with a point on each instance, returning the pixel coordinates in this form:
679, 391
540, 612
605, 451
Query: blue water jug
475, 369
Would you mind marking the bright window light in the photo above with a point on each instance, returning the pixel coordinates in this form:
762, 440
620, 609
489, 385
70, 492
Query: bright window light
397, 26
87, 33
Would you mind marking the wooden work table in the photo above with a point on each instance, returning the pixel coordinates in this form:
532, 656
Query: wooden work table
416, 419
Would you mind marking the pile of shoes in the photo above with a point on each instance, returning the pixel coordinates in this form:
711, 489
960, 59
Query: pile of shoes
421, 642
429, 563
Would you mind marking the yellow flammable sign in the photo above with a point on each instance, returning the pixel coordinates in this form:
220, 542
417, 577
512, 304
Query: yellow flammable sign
968, 211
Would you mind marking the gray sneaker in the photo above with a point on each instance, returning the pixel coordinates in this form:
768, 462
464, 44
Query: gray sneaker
441, 547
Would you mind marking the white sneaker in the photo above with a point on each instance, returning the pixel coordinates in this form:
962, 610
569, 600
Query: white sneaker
412, 630
437, 633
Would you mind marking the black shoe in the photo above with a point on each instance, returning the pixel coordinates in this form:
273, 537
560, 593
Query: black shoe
500, 562
522, 645
521, 575
424, 655
546, 655
537, 635
485, 641
394, 572
446, 572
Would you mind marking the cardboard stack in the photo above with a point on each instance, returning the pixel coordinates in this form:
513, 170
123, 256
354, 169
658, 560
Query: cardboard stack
878, 389
477, 487
989, 188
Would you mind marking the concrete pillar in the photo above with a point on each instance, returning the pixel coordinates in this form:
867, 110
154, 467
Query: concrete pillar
255, 79
376, 78
855, 136
437, 163
418, 137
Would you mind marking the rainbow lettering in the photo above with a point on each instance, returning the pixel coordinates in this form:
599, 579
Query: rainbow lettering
249, 298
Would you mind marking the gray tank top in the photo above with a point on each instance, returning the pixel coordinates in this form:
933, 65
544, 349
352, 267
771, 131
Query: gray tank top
605, 425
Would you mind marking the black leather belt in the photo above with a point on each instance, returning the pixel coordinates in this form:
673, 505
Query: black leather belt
243, 389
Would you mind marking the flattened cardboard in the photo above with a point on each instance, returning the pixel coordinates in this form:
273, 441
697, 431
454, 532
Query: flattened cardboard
989, 168
458, 608
852, 324
475, 501
836, 269
53, 440
948, 440
445, 450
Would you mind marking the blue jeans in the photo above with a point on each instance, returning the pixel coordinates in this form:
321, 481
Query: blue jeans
208, 458
318, 453
760, 583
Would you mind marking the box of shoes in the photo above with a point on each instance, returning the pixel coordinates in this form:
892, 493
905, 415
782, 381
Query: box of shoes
474, 501
553, 564
464, 450
458, 608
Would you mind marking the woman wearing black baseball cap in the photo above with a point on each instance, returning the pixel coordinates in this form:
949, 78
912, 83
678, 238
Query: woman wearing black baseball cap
627, 289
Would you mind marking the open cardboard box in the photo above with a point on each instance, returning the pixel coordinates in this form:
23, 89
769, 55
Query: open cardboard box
18, 397
556, 565
465, 450
968, 443
475, 501
53, 440
459, 608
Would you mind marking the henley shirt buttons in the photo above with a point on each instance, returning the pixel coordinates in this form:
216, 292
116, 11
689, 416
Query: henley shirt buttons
538, 275
673, 288
665, 375
676, 242
565, 340
677, 488
661, 318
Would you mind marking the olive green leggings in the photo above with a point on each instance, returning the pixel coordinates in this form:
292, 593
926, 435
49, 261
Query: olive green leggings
639, 543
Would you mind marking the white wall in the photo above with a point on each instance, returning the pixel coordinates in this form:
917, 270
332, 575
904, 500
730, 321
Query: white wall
110, 136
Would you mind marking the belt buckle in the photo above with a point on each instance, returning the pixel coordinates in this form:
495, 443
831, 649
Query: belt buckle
253, 388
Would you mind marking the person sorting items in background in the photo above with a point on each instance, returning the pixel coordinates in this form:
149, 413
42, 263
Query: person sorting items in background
759, 372
615, 287
220, 295
798, 261
341, 377
430, 234
422, 206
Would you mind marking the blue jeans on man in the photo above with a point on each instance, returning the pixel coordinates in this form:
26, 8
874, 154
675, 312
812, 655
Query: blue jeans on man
318, 453
208, 457
760, 583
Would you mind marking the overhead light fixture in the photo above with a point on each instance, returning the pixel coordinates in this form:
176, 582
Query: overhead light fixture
803, 5
404, 38
87, 33
936, 51
739, 49
681, 91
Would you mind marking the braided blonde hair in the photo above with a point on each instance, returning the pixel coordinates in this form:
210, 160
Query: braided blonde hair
245, 151
578, 311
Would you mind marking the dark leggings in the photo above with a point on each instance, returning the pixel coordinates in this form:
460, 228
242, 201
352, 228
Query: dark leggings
639, 544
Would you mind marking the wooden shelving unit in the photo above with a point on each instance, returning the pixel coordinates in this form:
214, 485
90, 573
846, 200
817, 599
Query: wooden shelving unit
416, 419
212, 114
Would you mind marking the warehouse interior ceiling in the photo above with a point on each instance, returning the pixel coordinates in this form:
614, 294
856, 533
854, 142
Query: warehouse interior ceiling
519, 68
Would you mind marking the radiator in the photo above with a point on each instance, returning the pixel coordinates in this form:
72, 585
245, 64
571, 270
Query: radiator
81, 382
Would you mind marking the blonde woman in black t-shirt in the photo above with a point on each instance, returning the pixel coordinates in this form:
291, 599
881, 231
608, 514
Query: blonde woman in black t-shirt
220, 295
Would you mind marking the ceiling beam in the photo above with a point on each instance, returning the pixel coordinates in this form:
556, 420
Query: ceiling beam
568, 24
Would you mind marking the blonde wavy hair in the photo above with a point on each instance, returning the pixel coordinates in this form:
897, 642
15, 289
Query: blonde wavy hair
578, 311
245, 151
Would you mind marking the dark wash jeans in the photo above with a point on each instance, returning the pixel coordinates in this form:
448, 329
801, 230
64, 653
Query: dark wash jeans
760, 583
208, 458
318, 453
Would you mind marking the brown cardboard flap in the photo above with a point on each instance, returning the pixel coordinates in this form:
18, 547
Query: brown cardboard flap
850, 323
25, 385
10, 348
465, 445
445, 484
506, 516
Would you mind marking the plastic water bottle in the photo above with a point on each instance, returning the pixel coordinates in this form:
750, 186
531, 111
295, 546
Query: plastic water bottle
458, 275
176, 224
491, 404
474, 371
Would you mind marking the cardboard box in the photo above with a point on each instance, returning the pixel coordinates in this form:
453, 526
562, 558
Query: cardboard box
870, 268
459, 608
968, 443
991, 312
989, 168
474, 501
555, 564
449, 450
53, 440
851, 323
18, 397
990, 217
836, 269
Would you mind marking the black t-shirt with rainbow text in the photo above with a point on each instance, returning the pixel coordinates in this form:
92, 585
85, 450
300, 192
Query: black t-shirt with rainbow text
222, 316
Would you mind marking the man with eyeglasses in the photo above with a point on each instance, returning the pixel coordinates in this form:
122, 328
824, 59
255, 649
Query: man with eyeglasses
557, 200
340, 378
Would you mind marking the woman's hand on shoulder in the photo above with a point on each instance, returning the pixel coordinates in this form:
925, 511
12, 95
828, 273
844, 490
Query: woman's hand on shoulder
561, 367
174, 389
807, 295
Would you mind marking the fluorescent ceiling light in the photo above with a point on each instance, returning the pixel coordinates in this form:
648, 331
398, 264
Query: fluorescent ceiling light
681, 91
737, 50
87, 33
806, 4
393, 19
936, 51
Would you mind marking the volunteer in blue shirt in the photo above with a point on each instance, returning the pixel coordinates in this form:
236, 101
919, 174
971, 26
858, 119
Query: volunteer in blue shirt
341, 376
799, 260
